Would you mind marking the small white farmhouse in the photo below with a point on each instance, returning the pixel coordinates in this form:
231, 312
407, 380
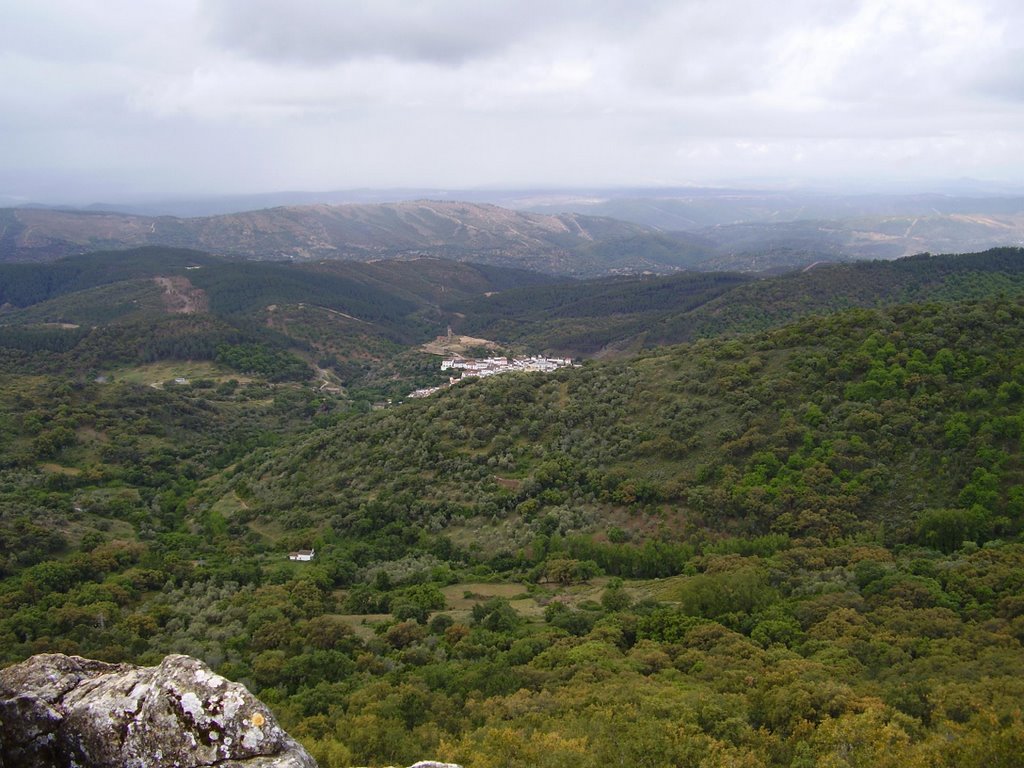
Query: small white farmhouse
303, 554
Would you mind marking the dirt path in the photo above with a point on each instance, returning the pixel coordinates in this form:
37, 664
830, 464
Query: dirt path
335, 312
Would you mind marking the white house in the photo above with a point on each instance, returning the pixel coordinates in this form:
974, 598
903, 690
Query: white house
304, 555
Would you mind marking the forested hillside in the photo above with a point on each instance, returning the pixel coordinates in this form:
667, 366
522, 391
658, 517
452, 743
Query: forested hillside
354, 320
383, 292
755, 435
353, 326
796, 547
585, 316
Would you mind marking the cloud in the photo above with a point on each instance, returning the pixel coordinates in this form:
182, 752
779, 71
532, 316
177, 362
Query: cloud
660, 56
445, 32
238, 95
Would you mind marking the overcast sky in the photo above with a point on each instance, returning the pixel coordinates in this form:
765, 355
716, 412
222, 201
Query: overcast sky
116, 99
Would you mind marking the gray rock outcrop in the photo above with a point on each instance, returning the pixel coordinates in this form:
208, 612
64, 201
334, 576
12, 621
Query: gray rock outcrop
60, 711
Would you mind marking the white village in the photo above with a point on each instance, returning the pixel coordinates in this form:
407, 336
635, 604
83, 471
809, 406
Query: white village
493, 366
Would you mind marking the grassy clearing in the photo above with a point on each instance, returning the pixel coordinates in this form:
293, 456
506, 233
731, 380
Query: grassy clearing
57, 469
464, 596
156, 374
662, 590
529, 601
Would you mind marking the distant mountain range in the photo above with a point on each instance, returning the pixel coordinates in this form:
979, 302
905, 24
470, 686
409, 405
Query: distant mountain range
696, 209
570, 234
461, 231
757, 230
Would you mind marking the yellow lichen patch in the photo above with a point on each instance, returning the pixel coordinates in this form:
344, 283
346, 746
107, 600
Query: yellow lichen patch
258, 719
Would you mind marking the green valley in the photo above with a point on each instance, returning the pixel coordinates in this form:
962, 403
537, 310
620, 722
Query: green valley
780, 526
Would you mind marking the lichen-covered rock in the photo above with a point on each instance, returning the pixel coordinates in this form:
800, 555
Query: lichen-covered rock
66, 711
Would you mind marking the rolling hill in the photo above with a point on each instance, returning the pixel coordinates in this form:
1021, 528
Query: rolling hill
461, 231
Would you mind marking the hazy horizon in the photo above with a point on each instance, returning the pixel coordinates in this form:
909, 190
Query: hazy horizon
118, 102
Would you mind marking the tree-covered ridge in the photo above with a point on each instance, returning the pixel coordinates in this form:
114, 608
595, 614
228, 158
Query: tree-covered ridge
834, 287
585, 316
232, 287
23, 285
408, 302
